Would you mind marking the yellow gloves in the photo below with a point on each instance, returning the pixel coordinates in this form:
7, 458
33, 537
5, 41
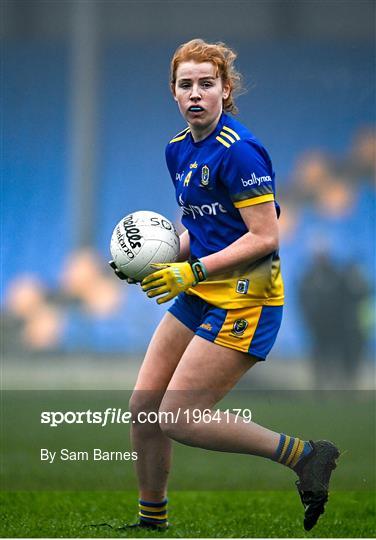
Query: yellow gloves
172, 279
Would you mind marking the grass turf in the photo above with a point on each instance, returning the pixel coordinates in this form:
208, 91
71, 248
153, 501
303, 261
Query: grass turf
192, 514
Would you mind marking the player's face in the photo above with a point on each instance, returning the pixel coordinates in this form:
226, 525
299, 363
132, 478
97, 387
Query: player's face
199, 93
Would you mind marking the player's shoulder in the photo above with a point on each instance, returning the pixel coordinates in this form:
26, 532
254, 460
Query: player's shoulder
176, 145
180, 136
235, 135
239, 140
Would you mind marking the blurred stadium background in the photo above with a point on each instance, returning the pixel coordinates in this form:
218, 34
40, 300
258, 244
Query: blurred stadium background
86, 115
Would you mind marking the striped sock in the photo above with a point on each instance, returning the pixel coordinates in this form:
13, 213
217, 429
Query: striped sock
152, 513
291, 450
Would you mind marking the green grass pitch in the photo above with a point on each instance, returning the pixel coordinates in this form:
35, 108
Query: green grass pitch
192, 514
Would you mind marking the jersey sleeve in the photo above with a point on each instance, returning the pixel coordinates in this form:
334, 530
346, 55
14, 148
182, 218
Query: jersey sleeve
248, 174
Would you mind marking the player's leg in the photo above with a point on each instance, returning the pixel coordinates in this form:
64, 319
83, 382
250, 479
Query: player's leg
205, 374
151, 444
225, 346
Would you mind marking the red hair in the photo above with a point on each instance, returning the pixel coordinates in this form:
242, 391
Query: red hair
218, 54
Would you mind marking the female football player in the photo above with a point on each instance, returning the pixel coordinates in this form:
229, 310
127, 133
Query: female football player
228, 293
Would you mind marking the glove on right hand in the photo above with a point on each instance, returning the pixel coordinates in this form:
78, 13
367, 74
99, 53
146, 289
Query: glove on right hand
120, 274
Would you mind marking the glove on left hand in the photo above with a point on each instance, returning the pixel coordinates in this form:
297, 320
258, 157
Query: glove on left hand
172, 279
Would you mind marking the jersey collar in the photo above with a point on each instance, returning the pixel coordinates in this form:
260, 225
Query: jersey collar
213, 134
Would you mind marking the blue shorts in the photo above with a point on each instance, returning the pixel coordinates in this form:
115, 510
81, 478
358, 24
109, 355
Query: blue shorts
252, 330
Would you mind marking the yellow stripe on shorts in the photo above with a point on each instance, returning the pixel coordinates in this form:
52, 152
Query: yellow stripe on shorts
230, 337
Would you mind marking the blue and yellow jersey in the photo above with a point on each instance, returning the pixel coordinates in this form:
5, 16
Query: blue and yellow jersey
213, 178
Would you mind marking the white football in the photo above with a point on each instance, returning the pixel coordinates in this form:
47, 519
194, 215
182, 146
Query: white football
141, 239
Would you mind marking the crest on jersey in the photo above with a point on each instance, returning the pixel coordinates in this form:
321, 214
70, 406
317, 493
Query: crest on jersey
187, 179
205, 173
242, 286
240, 326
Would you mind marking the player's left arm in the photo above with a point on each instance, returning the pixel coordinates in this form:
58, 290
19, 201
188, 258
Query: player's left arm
254, 198
261, 239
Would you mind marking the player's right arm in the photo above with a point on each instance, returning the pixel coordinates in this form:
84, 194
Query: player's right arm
120, 274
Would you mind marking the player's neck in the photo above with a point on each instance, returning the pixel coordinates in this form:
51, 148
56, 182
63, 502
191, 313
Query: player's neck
199, 133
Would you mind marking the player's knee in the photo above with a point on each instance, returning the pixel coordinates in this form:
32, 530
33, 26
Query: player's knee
141, 404
173, 422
